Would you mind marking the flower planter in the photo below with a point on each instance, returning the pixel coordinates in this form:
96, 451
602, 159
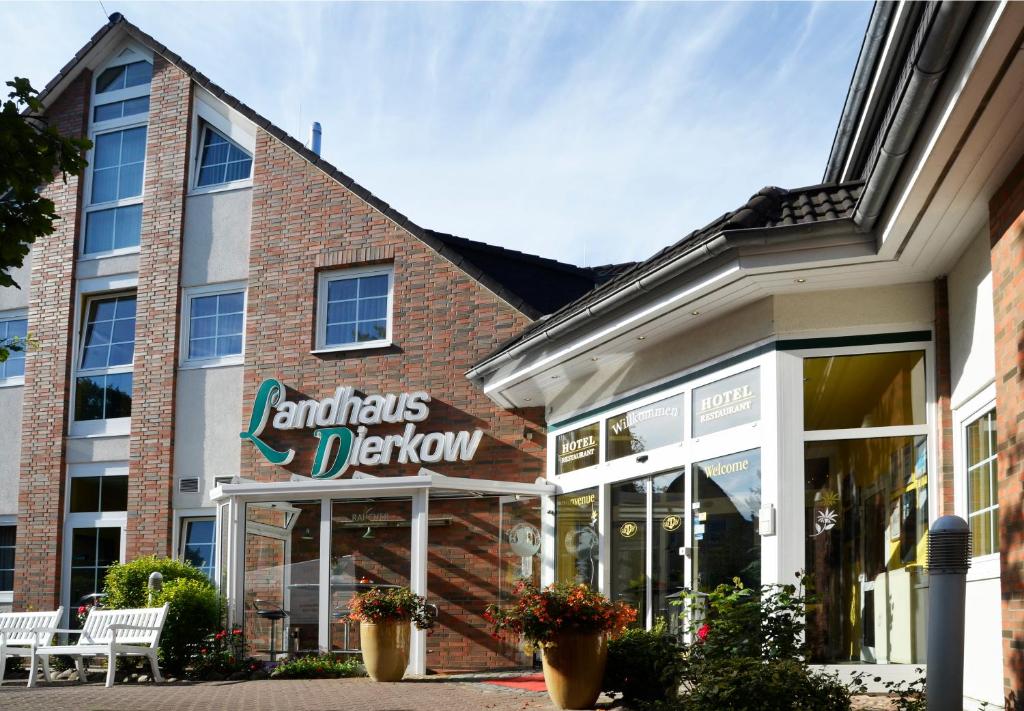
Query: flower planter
385, 648
574, 668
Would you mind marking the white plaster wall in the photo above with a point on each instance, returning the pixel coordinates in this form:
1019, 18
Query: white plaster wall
216, 247
208, 419
97, 449
983, 661
971, 322
11, 298
816, 313
10, 447
107, 266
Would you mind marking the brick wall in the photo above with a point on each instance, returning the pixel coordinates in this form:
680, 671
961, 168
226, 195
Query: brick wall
444, 321
1006, 229
151, 480
47, 369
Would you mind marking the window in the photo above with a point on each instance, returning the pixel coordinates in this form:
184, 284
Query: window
113, 218
98, 494
221, 160
103, 388
983, 484
198, 544
214, 325
354, 309
92, 552
7, 541
13, 369
124, 76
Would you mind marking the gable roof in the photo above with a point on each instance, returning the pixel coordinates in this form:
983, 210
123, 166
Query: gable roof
531, 284
770, 207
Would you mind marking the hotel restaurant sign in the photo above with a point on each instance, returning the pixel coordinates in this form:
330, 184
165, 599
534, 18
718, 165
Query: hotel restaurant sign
341, 425
718, 406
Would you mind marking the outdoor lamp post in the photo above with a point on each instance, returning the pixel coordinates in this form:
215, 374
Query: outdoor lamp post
949, 557
155, 585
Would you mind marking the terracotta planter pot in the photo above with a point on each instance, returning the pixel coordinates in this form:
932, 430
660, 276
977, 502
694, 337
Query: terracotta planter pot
574, 669
385, 648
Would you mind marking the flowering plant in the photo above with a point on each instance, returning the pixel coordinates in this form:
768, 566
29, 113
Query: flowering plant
82, 613
221, 653
380, 604
540, 614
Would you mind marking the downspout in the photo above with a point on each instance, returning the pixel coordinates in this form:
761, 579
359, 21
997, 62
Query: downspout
933, 59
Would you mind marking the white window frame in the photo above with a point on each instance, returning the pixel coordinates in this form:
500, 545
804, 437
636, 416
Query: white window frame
210, 111
136, 53
190, 293
100, 519
181, 519
985, 566
87, 289
7, 596
324, 278
16, 315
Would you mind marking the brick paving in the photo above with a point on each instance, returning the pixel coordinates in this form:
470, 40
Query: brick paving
290, 695
274, 695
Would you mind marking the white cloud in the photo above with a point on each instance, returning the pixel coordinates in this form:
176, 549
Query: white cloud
596, 131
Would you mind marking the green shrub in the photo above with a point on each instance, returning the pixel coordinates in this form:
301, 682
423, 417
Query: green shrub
644, 665
748, 684
323, 666
221, 654
195, 612
126, 583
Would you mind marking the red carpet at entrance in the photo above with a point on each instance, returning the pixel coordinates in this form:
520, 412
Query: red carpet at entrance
527, 682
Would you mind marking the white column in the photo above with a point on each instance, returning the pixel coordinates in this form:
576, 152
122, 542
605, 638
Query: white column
324, 638
418, 574
236, 561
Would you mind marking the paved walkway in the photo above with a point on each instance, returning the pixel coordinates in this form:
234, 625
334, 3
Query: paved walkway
274, 695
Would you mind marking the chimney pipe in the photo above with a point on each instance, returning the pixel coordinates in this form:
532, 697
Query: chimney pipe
314, 138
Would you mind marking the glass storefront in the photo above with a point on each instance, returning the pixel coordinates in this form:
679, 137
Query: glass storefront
576, 538
668, 532
726, 506
629, 545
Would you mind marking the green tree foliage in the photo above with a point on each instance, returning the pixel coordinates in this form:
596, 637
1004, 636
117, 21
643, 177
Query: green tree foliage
126, 584
32, 153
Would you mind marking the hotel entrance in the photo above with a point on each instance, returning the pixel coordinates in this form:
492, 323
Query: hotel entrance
297, 552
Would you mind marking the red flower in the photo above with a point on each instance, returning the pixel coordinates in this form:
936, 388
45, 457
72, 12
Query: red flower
702, 633
82, 610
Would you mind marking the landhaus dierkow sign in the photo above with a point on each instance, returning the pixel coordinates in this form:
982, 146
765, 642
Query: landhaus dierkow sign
341, 425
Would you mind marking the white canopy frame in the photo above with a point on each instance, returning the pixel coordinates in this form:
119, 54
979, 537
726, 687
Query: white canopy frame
231, 499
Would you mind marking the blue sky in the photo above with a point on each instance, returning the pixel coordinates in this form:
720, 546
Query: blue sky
586, 132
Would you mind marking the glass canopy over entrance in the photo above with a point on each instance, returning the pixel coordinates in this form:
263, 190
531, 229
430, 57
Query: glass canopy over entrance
307, 546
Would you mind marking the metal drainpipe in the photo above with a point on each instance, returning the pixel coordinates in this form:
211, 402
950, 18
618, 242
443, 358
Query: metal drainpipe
949, 557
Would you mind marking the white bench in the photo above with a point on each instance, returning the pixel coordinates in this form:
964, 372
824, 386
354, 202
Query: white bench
17, 635
114, 633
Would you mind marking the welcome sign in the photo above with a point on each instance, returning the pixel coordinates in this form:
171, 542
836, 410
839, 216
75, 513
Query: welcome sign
341, 425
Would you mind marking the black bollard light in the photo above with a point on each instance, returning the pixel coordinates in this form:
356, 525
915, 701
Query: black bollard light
949, 557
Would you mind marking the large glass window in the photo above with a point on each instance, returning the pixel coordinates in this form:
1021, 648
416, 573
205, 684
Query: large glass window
118, 160
355, 308
7, 546
103, 388
199, 544
11, 331
98, 493
645, 428
628, 533
870, 390
92, 552
221, 160
216, 325
866, 522
124, 76
983, 484
576, 538
726, 507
